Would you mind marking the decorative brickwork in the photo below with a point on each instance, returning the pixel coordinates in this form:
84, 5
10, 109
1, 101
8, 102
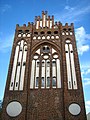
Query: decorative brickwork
44, 75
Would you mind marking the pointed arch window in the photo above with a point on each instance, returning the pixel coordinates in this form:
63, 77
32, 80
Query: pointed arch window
45, 70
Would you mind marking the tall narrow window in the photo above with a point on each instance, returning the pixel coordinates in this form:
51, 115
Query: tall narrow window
23, 68
58, 73
48, 82
37, 81
47, 73
54, 82
71, 74
73, 67
18, 71
68, 67
32, 74
14, 68
36, 74
43, 82
54, 73
43, 74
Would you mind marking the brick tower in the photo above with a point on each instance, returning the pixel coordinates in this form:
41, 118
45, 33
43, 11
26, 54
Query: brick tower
44, 79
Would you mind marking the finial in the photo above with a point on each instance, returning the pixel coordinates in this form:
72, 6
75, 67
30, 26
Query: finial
17, 25
24, 25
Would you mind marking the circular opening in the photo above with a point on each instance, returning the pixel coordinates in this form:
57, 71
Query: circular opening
71, 33
43, 48
47, 48
67, 41
20, 31
19, 35
24, 35
34, 38
67, 33
39, 37
55, 56
42, 32
49, 32
57, 37
28, 35
43, 37
35, 57
64, 29
14, 109
74, 109
63, 33
45, 56
48, 37
26, 31
52, 37
55, 32
36, 33
69, 29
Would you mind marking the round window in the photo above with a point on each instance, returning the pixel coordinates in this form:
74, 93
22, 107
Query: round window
14, 109
55, 56
74, 109
45, 56
19, 35
67, 41
35, 57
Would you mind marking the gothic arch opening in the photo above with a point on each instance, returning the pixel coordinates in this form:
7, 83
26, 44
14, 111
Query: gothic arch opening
45, 69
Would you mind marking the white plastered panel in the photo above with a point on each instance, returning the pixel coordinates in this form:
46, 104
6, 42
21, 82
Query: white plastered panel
47, 70
17, 78
32, 74
58, 74
38, 51
53, 72
14, 68
40, 23
37, 24
47, 23
73, 67
53, 68
68, 68
23, 69
22, 43
44, 17
43, 74
53, 51
37, 72
18, 67
50, 24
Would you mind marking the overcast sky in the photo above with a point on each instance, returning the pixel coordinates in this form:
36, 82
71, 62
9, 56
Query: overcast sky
20, 12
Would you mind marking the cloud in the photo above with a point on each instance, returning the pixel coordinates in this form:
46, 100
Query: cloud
85, 71
6, 43
68, 8
4, 8
83, 48
72, 14
88, 102
86, 81
87, 105
82, 37
88, 71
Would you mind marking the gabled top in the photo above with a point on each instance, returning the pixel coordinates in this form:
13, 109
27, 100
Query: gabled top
45, 21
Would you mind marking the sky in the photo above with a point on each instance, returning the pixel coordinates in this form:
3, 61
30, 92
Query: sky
20, 12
